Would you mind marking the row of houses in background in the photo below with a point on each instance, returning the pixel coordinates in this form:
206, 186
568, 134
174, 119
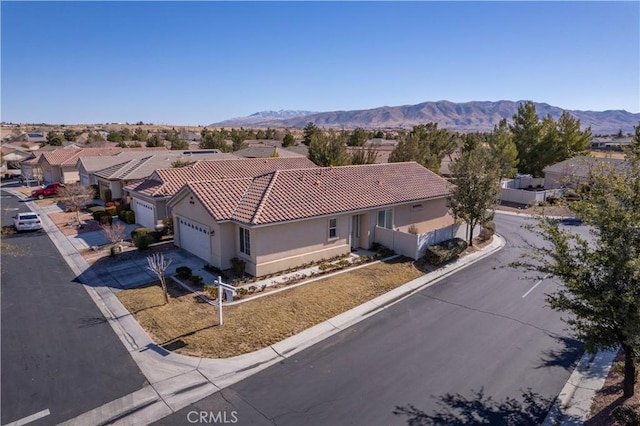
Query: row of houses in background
275, 212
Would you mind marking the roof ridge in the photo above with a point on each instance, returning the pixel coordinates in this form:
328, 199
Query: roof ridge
265, 195
246, 191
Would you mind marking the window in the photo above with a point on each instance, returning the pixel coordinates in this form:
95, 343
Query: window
385, 218
245, 242
333, 228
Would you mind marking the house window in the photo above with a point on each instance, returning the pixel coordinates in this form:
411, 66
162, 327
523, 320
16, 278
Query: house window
333, 228
385, 218
245, 242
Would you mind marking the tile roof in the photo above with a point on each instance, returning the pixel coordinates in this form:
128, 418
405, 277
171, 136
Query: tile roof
166, 182
69, 156
286, 195
579, 166
256, 151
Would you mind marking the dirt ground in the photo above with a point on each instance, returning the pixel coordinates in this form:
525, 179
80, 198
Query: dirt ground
610, 397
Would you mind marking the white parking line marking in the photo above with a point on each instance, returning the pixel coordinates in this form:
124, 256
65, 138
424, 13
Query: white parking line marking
535, 285
31, 418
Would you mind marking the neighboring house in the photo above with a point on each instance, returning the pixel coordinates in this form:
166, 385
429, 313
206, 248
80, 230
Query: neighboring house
610, 142
130, 167
266, 152
30, 168
36, 138
12, 156
287, 218
59, 165
574, 171
149, 196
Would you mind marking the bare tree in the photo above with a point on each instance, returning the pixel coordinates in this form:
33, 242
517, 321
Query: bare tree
75, 196
113, 232
158, 264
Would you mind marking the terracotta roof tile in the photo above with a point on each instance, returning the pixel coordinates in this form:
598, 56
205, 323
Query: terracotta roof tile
285, 195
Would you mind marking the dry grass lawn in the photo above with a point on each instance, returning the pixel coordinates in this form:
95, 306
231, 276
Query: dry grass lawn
190, 326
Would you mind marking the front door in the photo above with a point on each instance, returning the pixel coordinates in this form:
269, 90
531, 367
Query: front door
355, 231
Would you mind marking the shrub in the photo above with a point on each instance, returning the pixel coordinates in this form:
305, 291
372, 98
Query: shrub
211, 291
627, 414
100, 214
445, 251
154, 235
122, 207
167, 225
106, 219
413, 229
96, 191
106, 195
197, 280
111, 210
142, 241
129, 217
487, 231
238, 266
240, 292
183, 272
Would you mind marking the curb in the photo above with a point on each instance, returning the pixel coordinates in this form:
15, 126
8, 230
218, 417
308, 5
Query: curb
573, 404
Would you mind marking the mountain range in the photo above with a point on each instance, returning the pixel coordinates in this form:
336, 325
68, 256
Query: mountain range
465, 116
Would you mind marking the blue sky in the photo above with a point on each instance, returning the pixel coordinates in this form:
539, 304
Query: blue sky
201, 62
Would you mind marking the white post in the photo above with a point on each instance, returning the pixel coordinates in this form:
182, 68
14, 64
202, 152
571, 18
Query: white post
220, 290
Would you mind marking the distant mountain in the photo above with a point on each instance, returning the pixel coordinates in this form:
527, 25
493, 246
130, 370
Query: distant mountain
257, 118
466, 116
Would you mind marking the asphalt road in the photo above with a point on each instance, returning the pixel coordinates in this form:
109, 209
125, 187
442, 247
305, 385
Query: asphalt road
475, 341
58, 353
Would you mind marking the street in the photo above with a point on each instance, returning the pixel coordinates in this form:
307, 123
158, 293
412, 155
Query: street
474, 341
59, 356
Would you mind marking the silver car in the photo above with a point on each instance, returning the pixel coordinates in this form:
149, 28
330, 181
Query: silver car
27, 222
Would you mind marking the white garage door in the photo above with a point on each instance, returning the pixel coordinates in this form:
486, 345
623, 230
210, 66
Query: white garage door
144, 213
194, 238
84, 180
48, 177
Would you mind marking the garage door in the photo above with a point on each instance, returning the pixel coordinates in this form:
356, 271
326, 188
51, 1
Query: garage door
48, 177
194, 238
144, 213
84, 180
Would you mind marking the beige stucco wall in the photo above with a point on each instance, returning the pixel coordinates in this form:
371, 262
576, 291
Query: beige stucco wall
432, 215
279, 247
195, 212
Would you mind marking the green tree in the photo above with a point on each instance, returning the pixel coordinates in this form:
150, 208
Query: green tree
358, 137
363, 155
600, 276
140, 134
309, 130
260, 134
154, 141
288, 140
328, 149
126, 134
526, 130
237, 138
70, 135
476, 187
177, 144
502, 149
115, 137
55, 138
571, 140
425, 144
214, 139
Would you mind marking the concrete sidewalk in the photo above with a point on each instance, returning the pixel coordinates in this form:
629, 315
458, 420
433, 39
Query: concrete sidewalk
176, 381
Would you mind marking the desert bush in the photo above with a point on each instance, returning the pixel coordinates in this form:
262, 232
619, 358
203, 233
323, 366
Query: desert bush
238, 266
413, 229
94, 209
143, 241
627, 415
183, 272
129, 217
111, 210
445, 251
167, 225
487, 231
197, 280
122, 207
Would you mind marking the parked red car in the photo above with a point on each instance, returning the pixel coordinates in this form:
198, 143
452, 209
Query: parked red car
47, 191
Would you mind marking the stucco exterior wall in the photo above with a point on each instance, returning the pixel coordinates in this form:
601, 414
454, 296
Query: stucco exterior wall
195, 212
425, 215
279, 247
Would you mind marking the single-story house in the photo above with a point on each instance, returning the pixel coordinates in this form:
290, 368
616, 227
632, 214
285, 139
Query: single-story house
257, 151
149, 196
114, 172
286, 218
573, 171
12, 156
59, 165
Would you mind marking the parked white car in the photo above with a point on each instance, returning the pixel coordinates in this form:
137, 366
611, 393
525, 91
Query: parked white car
27, 221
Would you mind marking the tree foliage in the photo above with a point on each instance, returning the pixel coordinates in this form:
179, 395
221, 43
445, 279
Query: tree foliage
288, 140
140, 134
70, 135
154, 141
358, 137
425, 144
328, 149
364, 155
544, 142
476, 187
214, 139
55, 138
309, 130
600, 275
503, 149
238, 136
